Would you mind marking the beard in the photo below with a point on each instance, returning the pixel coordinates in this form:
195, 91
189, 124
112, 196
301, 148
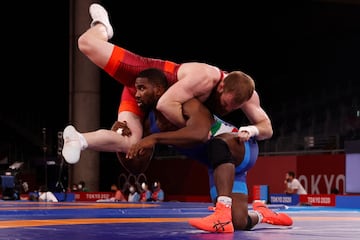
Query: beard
146, 108
147, 103
213, 103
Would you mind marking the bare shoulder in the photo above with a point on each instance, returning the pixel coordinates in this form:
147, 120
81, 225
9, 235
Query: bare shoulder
201, 77
199, 70
253, 110
252, 102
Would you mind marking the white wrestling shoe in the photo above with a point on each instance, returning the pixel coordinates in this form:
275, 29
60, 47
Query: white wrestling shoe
72, 147
100, 15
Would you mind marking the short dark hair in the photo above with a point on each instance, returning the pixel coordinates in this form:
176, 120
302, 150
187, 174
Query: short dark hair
155, 76
291, 174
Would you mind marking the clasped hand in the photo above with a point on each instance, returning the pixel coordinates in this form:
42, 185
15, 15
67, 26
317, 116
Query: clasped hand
140, 147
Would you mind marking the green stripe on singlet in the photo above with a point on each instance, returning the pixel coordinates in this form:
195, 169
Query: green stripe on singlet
215, 127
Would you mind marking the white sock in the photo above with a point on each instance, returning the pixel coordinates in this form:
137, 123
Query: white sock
260, 216
83, 142
225, 200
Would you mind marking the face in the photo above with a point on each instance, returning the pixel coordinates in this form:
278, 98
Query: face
146, 94
288, 177
223, 103
227, 102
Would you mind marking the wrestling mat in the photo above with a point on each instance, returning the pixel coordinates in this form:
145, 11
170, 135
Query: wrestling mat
23, 220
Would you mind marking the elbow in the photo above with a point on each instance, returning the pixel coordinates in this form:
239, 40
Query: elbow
201, 136
172, 111
161, 106
203, 139
265, 134
165, 109
267, 131
198, 140
270, 132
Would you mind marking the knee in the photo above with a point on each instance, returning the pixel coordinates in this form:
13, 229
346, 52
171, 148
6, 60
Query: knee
219, 152
86, 43
83, 44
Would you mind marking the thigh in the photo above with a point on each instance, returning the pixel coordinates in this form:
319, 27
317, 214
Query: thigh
236, 147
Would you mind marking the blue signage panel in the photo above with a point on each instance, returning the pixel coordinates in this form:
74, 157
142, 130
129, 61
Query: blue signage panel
287, 199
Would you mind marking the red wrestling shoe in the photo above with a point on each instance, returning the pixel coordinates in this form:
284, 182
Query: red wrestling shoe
271, 217
211, 208
220, 221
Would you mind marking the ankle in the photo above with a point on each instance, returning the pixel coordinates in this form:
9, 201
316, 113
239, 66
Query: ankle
260, 216
227, 201
83, 142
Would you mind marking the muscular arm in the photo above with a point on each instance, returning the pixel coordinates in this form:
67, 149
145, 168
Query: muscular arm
196, 130
258, 117
194, 80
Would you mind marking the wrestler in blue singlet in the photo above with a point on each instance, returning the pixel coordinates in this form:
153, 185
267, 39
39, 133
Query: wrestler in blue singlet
199, 153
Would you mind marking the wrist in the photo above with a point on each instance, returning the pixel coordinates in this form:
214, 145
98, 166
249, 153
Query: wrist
251, 129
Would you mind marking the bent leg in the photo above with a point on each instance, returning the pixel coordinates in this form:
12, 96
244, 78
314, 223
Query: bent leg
110, 141
224, 172
242, 218
102, 139
118, 62
94, 44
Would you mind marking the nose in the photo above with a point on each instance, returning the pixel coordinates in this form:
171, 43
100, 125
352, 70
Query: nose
137, 94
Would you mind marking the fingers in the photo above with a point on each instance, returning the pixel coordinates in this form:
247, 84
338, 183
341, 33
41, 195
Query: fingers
134, 151
244, 136
131, 153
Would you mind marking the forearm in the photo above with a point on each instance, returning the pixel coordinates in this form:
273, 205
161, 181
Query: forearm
182, 137
265, 130
258, 118
261, 130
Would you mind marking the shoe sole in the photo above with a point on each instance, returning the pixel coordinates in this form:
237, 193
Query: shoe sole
70, 153
223, 228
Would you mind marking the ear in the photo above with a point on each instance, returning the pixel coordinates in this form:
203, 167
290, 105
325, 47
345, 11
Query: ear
220, 87
159, 90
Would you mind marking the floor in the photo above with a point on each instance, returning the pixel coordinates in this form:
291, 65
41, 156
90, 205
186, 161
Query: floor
23, 220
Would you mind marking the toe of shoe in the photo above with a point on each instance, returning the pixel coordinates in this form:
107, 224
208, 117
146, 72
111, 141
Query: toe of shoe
71, 156
285, 219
